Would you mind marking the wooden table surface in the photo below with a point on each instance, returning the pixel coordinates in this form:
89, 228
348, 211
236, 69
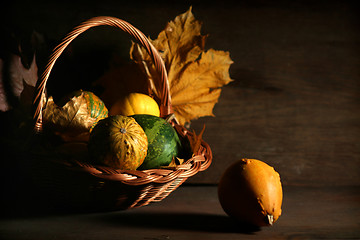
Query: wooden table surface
193, 212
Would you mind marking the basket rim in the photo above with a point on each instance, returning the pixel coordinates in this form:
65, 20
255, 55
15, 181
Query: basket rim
199, 161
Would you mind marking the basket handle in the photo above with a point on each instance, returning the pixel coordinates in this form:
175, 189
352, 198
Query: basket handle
165, 98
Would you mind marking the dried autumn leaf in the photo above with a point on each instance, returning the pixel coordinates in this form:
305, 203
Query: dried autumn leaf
195, 141
74, 120
174, 164
195, 75
19, 84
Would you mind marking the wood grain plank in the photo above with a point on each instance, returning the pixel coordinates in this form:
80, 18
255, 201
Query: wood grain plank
295, 101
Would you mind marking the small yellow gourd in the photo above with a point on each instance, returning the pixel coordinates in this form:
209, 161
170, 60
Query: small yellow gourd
135, 103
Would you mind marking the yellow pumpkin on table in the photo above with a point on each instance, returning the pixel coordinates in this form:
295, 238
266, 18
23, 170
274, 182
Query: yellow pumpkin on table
135, 103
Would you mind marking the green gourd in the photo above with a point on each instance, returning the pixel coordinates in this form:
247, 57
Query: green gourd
163, 141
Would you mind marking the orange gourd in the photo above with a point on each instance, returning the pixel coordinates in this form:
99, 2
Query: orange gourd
251, 192
135, 103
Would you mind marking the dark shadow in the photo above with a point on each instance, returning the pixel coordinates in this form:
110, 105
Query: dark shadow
135, 218
202, 222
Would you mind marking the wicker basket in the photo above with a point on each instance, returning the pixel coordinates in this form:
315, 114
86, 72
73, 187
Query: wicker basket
83, 185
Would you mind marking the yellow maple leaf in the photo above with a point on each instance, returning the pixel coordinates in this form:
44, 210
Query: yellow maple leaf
195, 75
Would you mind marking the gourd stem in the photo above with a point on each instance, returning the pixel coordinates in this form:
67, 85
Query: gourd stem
270, 219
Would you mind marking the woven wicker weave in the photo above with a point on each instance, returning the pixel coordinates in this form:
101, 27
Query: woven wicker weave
87, 185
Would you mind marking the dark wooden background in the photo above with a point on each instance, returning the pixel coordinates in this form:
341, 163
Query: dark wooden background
295, 99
